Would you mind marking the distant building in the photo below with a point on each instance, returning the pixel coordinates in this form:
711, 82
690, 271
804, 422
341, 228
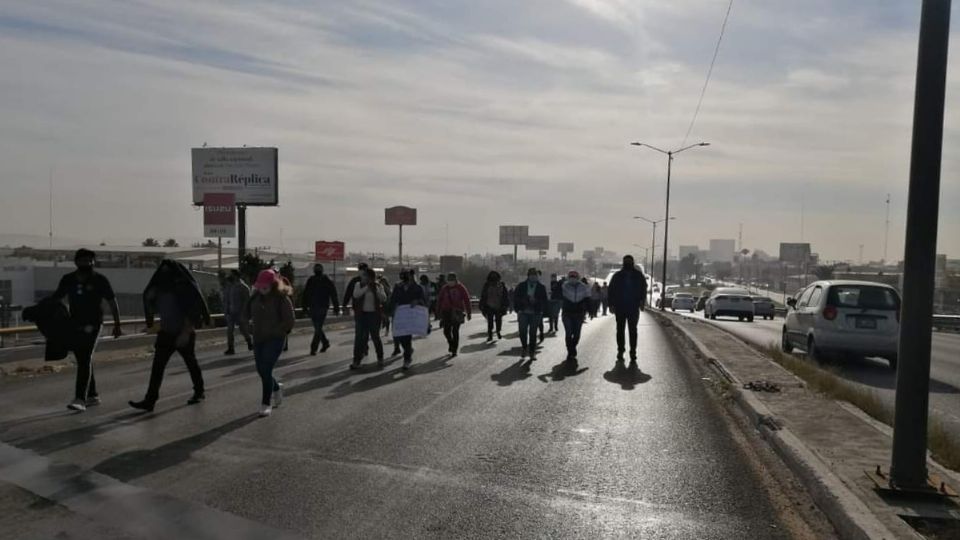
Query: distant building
689, 250
722, 250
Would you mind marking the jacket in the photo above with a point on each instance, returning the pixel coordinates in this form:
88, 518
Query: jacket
627, 291
348, 294
270, 316
454, 297
189, 296
556, 290
379, 299
318, 294
53, 321
576, 298
235, 296
521, 301
491, 290
408, 294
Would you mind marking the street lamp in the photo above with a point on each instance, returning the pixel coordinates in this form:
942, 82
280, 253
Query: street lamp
653, 242
666, 226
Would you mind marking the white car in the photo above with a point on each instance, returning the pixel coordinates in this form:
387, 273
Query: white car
683, 300
855, 318
729, 302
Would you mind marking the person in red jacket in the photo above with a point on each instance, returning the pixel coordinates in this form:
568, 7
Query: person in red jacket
453, 305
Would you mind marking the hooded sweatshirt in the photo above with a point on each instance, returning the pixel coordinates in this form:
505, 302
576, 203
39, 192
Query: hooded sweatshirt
576, 298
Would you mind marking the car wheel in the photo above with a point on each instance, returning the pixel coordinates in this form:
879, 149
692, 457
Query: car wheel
785, 344
749, 318
813, 352
893, 362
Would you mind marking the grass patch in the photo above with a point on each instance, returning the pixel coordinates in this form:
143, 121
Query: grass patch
944, 446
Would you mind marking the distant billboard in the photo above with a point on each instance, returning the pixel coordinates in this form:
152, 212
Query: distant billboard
565, 247
329, 251
219, 215
589, 254
537, 243
514, 235
250, 174
796, 253
451, 263
400, 215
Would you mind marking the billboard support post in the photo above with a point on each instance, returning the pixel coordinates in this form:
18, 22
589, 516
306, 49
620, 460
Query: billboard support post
400, 248
241, 230
400, 215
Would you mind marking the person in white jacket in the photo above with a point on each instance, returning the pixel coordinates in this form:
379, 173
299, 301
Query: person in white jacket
576, 303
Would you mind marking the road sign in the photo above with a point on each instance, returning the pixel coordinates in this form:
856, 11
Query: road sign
248, 173
796, 253
565, 247
329, 251
219, 215
537, 243
400, 215
514, 235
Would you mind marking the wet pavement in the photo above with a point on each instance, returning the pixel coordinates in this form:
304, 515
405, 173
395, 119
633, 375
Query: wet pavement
473, 446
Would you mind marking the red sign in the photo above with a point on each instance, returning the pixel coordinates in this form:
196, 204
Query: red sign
219, 215
329, 251
400, 215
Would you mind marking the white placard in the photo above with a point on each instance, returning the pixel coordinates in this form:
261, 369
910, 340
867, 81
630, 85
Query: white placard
410, 321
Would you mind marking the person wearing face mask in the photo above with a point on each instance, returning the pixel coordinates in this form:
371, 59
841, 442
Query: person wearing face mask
85, 291
271, 316
494, 300
368, 300
407, 293
530, 302
556, 302
576, 303
454, 307
628, 290
318, 295
175, 296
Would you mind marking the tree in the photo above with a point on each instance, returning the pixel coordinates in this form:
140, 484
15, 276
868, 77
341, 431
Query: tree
824, 271
688, 265
170, 243
250, 265
150, 242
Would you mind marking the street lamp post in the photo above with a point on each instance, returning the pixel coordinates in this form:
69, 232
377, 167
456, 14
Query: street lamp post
666, 226
653, 244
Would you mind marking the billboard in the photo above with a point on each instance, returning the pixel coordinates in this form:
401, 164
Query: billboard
514, 235
451, 263
219, 215
537, 243
565, 247
796, 253
248, 173
589, 254
400, 215
328, 251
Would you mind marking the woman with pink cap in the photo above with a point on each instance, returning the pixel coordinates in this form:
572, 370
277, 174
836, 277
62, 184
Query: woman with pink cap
270, 313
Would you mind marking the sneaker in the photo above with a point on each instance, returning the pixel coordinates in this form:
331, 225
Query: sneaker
229, 352
523, 355
278, 395
265, 410
355, 365
396, 352
325, 347
92, 401
380, 362
77, 405
406, 364
499, 335
533, 357
196, 398
142, 405
313, 352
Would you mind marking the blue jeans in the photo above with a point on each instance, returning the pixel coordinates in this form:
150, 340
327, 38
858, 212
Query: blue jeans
572, 326
529, 322
265, 355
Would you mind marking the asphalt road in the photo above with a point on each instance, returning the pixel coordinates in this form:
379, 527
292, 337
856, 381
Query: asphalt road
874, 373
472, 446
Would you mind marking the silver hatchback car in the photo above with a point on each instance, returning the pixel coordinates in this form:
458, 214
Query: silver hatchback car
857, 318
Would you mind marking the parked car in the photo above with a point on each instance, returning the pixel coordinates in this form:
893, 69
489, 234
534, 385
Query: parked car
729, 302
683, 300
763, 307
851, 318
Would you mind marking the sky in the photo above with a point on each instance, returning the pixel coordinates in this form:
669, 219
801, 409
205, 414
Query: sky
476, 113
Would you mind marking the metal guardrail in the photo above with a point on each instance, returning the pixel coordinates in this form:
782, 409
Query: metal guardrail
947, 322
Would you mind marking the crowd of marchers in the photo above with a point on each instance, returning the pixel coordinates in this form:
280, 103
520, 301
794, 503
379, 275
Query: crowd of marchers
174, 308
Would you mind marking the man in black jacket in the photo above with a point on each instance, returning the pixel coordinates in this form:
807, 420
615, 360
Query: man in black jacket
318, 294
530, 302
407, 293
628, 291
348, 300
86, 290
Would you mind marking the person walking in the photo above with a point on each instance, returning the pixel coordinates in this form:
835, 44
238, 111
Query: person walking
318, 295
430, 294
271, 316
494, 300
173, 294
530, 302
386, 314
605, 297
576, 302
86, 290
556, 302
454, 307
441, 281
628, 290
546, 313
368, 300
389, 310
349, 301
236, 293
596, 296
407, 293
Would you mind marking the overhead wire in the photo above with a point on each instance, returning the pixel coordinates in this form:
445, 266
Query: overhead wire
713, 61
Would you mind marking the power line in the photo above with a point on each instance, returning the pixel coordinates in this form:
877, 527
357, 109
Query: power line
703, 91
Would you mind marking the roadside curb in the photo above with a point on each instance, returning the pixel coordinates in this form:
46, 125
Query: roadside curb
849, 515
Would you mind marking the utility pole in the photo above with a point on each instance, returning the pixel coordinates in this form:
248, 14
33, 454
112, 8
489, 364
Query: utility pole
908, 468
886, 232
861, 255
51, 208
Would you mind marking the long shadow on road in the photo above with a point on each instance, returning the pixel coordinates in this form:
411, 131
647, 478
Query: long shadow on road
560, 372
389, 377
515, 373
627, 377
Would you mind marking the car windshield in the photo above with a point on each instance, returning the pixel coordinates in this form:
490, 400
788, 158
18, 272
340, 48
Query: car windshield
761, 299
684, 295
733, 292
863, 297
